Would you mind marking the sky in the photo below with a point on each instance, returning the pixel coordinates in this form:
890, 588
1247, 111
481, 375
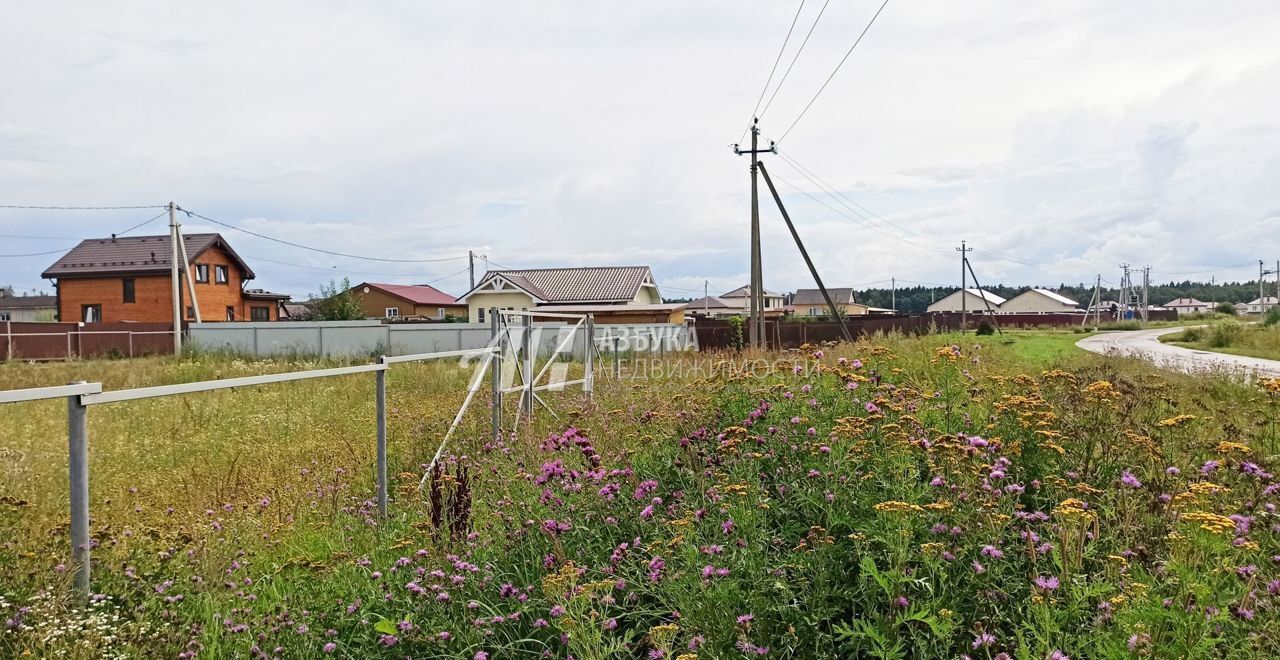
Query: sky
1058, 139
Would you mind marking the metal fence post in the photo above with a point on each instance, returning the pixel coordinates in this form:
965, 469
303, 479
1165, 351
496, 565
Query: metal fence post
381, 405
617, 360
78, 469
495, 376
68, 345
526, 343
589, 349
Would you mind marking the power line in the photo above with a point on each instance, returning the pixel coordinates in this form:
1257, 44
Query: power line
316, 249
81, 208
796, 57
334, 269
773, 70
835, 193
833, 72
36, 254
140, 224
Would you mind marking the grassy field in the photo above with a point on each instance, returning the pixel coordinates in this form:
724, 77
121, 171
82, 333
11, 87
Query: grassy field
1231, 337
903, 497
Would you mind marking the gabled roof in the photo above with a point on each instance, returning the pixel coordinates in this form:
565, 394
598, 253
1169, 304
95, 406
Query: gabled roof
263, 294
135, 254
991, 297
27, 302
839, 295
744, 291
418, 294
1186, 302
587, 284
1051, 295
1265, 300
709, 302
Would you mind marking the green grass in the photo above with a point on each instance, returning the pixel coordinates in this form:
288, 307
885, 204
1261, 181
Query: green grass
845, 505
1250, 340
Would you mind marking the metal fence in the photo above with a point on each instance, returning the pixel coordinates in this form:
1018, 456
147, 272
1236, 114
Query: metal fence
509, 343
356, 338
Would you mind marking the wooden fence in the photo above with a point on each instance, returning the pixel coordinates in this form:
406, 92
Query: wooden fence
65, 341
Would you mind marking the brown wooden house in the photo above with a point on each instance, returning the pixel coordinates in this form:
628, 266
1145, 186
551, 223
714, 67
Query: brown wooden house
128, 279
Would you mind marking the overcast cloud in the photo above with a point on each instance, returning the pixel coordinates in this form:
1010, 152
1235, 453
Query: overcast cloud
1060, 139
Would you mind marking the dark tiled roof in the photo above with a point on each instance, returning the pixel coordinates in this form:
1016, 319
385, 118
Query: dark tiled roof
586, 284
134, 254
27, 302
710, 302
840, 296
263, 294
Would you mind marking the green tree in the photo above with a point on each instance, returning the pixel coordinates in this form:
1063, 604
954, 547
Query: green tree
336, 303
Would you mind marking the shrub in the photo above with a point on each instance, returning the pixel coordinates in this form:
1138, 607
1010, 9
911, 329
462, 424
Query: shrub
1272, 317
1225, 334
1225, 308
985, 328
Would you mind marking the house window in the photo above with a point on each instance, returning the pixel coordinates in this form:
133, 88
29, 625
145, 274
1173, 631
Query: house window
191, 312
220, 274
815, 311
202, 273
440, 313
4, 316
392, 312
231, 313
259, 313
129, 293
91, 313
480, 314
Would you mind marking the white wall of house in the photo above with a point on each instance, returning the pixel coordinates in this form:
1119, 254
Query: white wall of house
952, 303
1033, 302
501, 299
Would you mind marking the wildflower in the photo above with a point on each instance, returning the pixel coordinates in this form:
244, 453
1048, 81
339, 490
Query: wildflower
329, 648
1059, 655
444, 635
1129, 480
992, 552
983, 640
727, 527
388, 640
481, 655
1047, 583
745, 619
557, 611
978, 567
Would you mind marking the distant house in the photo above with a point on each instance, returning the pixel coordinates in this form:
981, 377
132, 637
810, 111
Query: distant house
971, 299
128, 279
1188, 306
1038, 301
1241, 308
614, 294
712, 306
403, 301
1260, 305
741, 298
810, 303
27, 308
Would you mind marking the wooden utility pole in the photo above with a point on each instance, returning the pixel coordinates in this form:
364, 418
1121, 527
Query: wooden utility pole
835, 311
982, 294
756, 288
964, 285
471, 264
175, 283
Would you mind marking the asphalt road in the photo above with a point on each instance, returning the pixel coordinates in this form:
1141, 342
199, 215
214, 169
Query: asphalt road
1143, 344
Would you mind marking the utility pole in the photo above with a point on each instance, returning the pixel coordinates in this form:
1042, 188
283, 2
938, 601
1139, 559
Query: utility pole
1095, 302
1146, 286
982, 294
893, 294
1124, 291
186, 269
756, 288
175, 283
471, 264
836, 313
1261, 295
964, 285
706, 297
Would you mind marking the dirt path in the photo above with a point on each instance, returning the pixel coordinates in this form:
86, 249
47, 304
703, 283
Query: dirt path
1144, 344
